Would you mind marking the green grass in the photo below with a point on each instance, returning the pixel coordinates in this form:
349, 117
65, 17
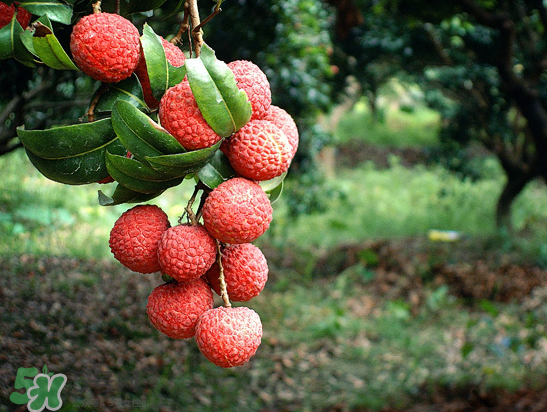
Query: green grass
46, 218
402, 202
397, 128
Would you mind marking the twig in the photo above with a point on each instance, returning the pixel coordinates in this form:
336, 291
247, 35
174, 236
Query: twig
221, 278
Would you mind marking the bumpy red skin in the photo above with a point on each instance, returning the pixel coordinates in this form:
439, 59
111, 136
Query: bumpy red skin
23, 16
245, 272
253, 81
180, 115
174, 308
259, 151
7, 12
237, 211
135, 235
174, 56
105, 46
229, 337
186, 252
286, 123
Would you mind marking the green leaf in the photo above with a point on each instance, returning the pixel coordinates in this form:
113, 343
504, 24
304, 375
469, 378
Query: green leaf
216, 171
129, 90
124, 195
55, 10
87, 167
189, 161
141, 135
225, 108
136, 176
67, 141
274, 187
49, 50
12, 46
162, 75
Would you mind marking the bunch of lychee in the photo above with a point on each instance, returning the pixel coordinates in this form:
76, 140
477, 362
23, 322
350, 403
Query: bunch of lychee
212, 249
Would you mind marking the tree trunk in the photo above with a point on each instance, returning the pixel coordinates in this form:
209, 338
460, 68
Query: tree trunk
516, 182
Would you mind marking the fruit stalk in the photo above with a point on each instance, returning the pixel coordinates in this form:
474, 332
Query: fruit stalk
222, 280
197, 33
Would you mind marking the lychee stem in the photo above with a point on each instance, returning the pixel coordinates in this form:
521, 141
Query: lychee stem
222, 280
188, 208
197, 33
96, 7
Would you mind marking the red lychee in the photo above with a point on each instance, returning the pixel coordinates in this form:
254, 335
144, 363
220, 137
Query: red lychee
7, 12
174, 308
174, 56
180, 115
285, 122
253, 81
186, 252
259, 151
245, 272
105, 46
229, 336
237, 211
135, 235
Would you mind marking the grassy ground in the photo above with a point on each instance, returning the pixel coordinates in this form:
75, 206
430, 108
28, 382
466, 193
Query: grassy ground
361, 312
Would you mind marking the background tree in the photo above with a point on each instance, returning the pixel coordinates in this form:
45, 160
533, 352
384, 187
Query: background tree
487, 59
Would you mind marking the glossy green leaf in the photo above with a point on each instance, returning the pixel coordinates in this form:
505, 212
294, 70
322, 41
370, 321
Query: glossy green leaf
68, 141
56, 10
129, 90
216, 171
173, 7
189, 161
162, 75
225, 108
49, 50
136, 176
124, 195
142, 136
12, 46
87, 167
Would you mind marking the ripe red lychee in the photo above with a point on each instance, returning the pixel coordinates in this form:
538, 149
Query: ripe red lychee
286, 123
105, 46
174, 308
174, 56
7, 12
135, 235
259, 151
237, 211
186, 252
229, 336
180, 115
253, 81
245, 272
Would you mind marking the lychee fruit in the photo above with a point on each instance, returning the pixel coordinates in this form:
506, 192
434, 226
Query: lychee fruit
286, 123
237, 211
186, 252
105, 46
229, 336
179, 114
7, 12
174, 308
250, 78
135, 235
174, 56
245, 272
259, 151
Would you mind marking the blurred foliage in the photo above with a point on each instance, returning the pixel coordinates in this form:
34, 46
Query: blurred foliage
482, 65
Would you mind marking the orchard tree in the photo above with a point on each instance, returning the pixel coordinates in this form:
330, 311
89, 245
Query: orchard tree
164, 109
482, 63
